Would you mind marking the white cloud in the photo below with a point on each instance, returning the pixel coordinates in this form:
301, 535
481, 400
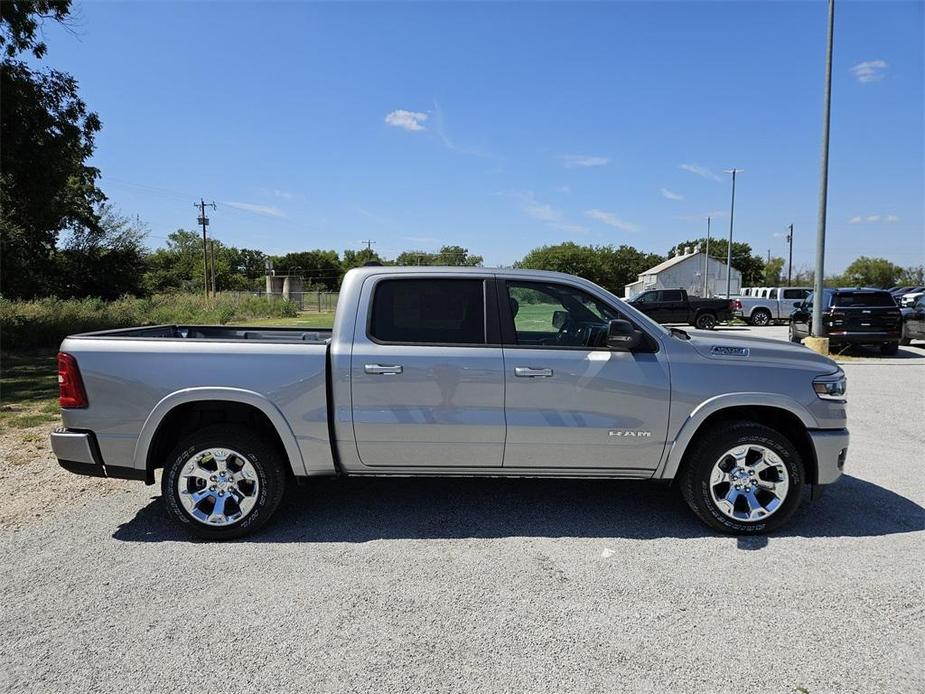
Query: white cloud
610, 219
409, 120
870, 71
872, 218
671, 195
284, 194
546, 213
265, 210
582, 161
700, 171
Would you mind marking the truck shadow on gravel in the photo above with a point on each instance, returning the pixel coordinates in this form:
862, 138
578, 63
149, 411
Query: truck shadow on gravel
361, 510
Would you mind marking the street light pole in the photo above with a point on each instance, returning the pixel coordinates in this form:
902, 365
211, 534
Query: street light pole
706, 261
817, 328
790, 260
732, 210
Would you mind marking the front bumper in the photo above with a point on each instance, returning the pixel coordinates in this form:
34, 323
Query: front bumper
78, 452
831, 447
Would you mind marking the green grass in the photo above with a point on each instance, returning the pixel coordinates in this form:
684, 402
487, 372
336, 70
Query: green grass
28, 389
312, 319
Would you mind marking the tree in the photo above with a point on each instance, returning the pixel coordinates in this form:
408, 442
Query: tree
744, 260
772, 271
359, 258
609, 267
20, 20
871, 272
447, 255
47, 134
107, 260
178, 266
319, 268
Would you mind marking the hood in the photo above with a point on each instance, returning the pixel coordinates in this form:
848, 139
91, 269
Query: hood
731, 347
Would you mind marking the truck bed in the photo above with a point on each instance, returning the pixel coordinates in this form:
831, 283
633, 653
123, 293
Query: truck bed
215, 332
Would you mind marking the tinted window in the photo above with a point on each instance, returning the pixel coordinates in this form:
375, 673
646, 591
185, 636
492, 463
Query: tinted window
772, 294
672, 295
795, 293
647, 298
429, 311
863, 299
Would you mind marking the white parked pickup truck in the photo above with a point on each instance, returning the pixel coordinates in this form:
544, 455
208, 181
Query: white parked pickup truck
769, 304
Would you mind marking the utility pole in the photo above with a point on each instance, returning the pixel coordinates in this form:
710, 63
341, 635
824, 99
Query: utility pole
369, 245
212, 263
790, 261
204, 221
817, 328
706, 261
732, 210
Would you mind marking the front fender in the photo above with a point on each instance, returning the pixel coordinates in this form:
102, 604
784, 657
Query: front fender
204, 394
699, 415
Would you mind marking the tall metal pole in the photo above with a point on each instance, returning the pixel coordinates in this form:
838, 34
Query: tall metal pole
790, 261
706, 261
732, 210
818, 329
204, 221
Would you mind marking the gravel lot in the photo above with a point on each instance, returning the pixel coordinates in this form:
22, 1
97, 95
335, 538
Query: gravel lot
489, 585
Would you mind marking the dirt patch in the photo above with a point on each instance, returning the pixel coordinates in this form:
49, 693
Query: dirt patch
33, 483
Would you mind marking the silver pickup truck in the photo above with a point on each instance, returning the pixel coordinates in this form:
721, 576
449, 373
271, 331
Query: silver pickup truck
764, 305
450, 372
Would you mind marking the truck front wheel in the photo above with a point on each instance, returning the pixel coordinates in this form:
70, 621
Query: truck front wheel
223, 482
744, 479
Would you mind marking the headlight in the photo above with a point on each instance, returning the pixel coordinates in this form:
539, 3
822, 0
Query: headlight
831, 387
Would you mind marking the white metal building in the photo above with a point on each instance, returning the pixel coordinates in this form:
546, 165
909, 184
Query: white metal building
687, 272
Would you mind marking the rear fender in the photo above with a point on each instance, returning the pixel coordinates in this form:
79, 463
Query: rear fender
247, 397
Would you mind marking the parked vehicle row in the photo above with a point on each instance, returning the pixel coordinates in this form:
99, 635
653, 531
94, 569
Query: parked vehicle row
453, 372
675, 306
906, 296
855, 316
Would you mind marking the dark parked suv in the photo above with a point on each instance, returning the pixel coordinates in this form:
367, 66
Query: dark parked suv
852, 317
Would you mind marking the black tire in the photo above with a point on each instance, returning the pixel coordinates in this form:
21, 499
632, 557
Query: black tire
889, 348
698, 465
793, 337
705, 321
260, 453
761, 317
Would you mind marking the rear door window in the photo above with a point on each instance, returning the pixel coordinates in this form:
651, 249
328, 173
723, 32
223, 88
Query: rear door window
672, 295
429, 311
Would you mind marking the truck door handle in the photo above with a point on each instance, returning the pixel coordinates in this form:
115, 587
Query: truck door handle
383, 370
527, 372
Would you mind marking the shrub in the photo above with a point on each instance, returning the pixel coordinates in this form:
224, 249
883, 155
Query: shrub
45, 322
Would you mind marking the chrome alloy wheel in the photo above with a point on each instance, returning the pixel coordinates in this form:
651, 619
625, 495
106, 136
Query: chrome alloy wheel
749, 482
218, 486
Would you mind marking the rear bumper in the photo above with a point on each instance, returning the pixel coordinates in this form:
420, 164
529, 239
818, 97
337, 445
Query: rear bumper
871, 338
831, 447
78, 452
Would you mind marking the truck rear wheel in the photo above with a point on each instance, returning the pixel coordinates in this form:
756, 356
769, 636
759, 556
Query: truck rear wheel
705, 321
761, 317
743, 479
223, 482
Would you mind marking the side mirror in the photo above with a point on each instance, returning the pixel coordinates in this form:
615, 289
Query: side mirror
622, 336
559, 319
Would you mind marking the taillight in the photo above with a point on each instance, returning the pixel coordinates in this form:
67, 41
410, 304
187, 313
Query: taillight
735, 305
71, 393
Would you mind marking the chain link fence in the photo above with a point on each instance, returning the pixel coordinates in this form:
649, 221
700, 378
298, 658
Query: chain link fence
317, 302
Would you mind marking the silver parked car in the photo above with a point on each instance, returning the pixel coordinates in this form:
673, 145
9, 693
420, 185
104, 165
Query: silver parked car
448, 372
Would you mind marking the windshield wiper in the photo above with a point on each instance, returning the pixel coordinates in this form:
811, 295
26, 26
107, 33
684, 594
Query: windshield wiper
680, 334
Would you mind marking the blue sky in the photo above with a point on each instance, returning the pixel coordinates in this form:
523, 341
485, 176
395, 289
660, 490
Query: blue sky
501, 127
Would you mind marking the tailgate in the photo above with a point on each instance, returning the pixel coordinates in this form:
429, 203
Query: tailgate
861, 319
